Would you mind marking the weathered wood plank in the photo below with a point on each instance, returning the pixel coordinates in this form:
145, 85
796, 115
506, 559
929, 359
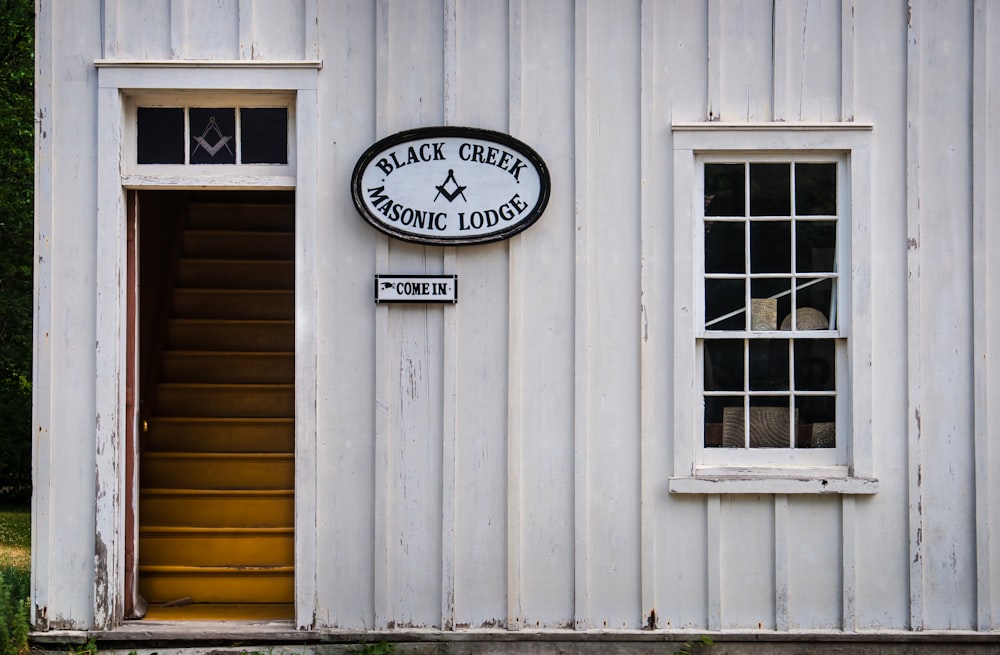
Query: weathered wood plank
545, 363
946, 319
478, 342
747, 562
611, 313
745, 60
415, 343
914, 261
350, 449
986, 286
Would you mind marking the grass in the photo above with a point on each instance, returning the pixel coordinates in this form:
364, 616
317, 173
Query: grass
15, 538
15, 563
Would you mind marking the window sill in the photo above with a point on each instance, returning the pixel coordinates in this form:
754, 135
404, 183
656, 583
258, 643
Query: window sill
759, 484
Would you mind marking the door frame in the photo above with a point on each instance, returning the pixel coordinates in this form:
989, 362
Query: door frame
118, 81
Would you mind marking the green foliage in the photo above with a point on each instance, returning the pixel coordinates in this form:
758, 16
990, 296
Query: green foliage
89, 648
14, 611
693, 646
381, 648
16, 238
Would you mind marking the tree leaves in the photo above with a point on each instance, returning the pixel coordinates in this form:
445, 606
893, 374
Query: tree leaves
16, 236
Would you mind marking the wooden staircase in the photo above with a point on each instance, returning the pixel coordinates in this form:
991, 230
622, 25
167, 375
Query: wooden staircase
217, 461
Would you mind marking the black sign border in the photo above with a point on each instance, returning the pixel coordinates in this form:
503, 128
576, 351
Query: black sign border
418, 301
500, 138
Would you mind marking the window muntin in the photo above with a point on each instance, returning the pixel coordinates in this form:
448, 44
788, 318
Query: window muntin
770, 344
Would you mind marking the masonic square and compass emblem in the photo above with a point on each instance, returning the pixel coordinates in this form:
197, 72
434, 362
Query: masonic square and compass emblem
214, 144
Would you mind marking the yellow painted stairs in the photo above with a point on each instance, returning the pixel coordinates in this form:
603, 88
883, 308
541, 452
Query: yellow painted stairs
217, 456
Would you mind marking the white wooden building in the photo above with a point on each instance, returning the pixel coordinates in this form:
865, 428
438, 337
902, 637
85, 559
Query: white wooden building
597, 446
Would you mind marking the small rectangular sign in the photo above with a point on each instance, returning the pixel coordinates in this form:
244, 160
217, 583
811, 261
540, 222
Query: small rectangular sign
416, 288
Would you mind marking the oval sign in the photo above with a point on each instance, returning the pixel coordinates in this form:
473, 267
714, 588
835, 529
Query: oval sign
450, 186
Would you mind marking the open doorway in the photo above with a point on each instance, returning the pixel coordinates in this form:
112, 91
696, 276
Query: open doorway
215, 419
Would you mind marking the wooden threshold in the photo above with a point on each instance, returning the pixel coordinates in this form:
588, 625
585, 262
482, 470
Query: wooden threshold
223, 612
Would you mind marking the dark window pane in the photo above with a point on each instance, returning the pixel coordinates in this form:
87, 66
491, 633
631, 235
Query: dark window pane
771, 247
724, 190
770, 190
815, 246
724, 301
264, 134
814, 300
160, 132
816, 189
815, 365
817, 421
724, 422
213, 133
724, 365
724, 248
768, 364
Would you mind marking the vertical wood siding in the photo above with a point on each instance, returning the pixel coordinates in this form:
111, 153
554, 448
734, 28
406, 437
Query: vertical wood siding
503, 462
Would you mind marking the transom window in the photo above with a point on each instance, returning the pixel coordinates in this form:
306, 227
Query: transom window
209, 138
770, 343
212, 135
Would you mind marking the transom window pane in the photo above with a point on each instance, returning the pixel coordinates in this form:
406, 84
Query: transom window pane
160, 135
264, 135
213, 135
770, 294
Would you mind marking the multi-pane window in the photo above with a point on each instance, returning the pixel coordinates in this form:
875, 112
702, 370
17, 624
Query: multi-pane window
771, 305
772, 348
212, 135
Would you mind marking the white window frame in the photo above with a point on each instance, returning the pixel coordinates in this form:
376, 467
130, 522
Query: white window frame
119, 83
848, 467
270, 175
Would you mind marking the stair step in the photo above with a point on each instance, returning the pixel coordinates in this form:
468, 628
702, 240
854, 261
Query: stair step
220, 435
204, 584
239, 547
235, 274
238, 244
226, 400
264, 217
234, 303
226, 334
223, 612
228, 367
236, 508
201, 471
